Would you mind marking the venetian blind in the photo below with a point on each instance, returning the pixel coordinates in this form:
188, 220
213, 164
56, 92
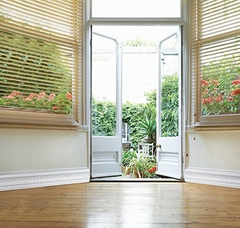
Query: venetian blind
40, 58
215, 53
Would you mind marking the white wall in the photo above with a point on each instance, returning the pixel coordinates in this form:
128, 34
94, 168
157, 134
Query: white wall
213, 158
28, 150
214, 150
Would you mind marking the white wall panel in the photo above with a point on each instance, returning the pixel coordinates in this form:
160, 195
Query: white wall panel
213, 150
26, 149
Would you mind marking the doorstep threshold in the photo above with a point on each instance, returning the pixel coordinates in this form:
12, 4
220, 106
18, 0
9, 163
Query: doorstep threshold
128, 179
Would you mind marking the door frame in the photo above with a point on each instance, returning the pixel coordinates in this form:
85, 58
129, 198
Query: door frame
168, 160
89, 21
115, 149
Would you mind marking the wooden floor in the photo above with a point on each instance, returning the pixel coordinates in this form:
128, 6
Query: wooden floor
121, 205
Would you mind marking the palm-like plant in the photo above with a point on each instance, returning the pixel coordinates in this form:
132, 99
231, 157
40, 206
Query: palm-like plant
147, 127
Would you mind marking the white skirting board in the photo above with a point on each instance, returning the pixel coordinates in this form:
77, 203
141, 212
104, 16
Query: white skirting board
43, 178
226, 178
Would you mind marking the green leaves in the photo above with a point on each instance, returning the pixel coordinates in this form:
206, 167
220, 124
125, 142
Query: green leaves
147, 126
219, 86
140, 117
141, 166
61, 103
32, 65
127, 156
169, 106
103, 118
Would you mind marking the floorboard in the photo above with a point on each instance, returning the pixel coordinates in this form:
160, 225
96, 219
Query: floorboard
141, 204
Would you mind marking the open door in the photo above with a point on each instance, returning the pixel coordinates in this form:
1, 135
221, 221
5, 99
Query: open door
169, 156
106, 96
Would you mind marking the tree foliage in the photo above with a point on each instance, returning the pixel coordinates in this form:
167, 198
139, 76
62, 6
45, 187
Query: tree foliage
169, 106
140, 117
138, 42
103, 118
32, 63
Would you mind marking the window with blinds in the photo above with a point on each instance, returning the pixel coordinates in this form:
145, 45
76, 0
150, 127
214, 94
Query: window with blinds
215, 61
40, 61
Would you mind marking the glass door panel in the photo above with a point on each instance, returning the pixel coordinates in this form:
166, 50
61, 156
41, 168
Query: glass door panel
127, 8
104, 86
106, 105
169, 107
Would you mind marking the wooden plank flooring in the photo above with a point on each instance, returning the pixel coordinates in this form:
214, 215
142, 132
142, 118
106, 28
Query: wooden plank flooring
121, 205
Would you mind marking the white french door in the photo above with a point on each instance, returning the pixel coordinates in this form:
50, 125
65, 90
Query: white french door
106, 97
107, 101
169, 156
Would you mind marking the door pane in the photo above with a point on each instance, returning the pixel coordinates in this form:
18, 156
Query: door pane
103, 86
136, 8
169, 87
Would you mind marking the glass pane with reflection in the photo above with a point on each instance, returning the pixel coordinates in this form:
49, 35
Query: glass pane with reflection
170, 88
103, 86
136, 8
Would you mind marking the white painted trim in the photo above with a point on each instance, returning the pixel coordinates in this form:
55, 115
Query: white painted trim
90, 21
226, 178
113, 174
33, 179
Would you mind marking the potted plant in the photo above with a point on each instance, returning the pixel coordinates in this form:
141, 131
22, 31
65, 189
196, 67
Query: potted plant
142, 166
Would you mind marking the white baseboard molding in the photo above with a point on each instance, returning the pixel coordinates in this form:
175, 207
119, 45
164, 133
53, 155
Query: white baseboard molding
226, 178
33, 179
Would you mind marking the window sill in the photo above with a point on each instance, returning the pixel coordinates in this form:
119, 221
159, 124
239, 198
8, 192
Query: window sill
220, 120
217, 122
38, 120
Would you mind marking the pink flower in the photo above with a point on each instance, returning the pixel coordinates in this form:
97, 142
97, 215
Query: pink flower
204, 83
236, 82
51, 96
15, 93
219, 99
9, 97
207, 100
69, 96
230, 98
235, 92
28, 99
32, 95
41, 96
205, 91
216, 82
55, 108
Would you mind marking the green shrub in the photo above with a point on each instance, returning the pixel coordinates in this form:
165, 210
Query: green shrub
127, 156
61, 103
220, 87
169, 106
142, 166
32, 65
140, 117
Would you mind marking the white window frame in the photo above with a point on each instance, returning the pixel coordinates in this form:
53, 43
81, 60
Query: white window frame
182, 21
195, 119
39, 120
89, 21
